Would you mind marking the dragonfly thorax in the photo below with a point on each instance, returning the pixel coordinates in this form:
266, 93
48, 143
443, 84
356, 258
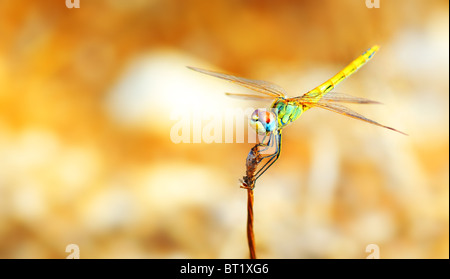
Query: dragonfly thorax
263, 121
287, 110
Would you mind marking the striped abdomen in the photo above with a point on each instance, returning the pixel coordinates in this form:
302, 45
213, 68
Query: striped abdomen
317, 93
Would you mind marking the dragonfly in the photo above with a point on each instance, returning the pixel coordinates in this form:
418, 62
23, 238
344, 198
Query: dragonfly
288, 109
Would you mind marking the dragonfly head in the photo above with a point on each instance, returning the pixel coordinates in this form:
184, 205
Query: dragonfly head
263, 121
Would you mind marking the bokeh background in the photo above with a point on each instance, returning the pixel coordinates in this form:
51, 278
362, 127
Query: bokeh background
87, 98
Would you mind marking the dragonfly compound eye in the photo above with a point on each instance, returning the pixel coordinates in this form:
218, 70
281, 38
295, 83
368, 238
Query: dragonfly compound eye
263, 121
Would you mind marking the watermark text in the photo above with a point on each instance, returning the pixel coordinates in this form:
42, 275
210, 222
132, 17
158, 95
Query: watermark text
73, 4
373, 4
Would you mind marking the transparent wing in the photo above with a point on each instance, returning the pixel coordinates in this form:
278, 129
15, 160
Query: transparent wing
249, 96
260, 86
337, 98
345, 98
347, 112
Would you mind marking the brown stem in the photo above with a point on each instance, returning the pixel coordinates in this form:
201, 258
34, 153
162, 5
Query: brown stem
248, 182
250, 234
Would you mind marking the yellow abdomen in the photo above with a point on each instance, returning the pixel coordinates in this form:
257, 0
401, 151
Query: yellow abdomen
317, 93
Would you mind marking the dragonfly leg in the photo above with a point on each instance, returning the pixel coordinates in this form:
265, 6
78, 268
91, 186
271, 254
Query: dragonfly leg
273, 157
267, 145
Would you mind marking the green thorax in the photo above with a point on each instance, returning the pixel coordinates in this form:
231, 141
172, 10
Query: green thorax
288, 110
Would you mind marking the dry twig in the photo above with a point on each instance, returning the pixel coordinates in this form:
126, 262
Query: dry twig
253, 159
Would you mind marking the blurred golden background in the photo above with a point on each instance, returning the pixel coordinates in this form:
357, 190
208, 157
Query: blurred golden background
86, 98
